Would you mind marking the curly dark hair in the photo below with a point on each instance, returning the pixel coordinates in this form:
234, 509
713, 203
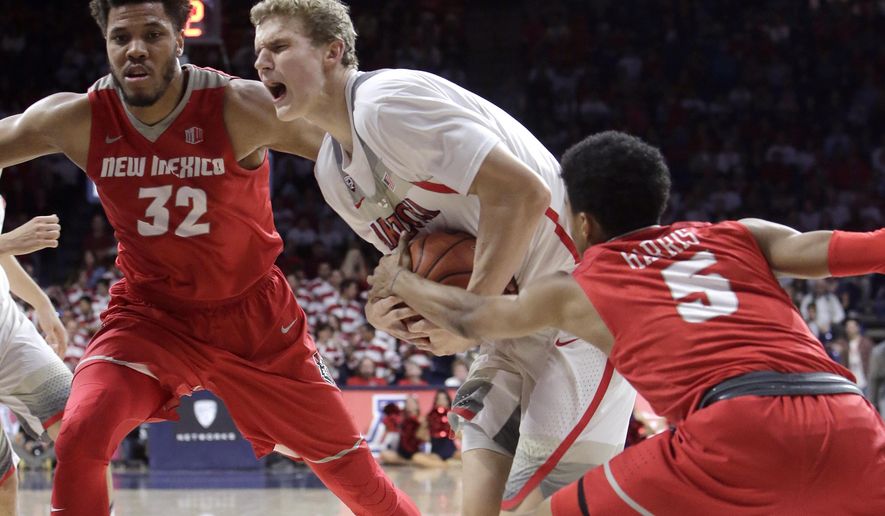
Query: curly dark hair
178, 11
619, 179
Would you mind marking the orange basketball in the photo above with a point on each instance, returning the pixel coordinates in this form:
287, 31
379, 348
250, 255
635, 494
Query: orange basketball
445, 258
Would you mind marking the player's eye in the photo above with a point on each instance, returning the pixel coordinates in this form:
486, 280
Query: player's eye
119, 39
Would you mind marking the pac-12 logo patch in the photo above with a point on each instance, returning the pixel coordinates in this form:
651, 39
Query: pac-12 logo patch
348, 181
324, 371
194, 135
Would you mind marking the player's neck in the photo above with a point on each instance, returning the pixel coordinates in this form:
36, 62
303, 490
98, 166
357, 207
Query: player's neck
152, 114
330, 111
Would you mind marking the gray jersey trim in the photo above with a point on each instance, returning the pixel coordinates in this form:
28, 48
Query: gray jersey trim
197, 79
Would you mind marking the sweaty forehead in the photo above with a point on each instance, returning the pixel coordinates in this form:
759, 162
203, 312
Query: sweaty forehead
134, 15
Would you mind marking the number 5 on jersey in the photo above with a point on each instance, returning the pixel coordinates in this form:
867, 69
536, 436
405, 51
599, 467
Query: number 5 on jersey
701, 297
158, 214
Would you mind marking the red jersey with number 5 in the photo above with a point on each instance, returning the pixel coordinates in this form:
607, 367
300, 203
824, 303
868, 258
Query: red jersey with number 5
191, 223
693, 304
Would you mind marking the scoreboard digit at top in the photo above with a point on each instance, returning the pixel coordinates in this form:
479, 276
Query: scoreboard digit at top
204, 24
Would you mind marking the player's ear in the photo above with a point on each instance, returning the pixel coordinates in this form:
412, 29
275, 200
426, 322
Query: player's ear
335, 51
179, 43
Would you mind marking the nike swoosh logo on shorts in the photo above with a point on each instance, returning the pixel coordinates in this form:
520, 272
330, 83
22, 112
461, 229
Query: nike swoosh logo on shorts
108, 139
560, 343
285, 329
53, 509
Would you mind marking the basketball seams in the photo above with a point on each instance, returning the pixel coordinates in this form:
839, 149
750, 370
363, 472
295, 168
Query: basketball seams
442, 254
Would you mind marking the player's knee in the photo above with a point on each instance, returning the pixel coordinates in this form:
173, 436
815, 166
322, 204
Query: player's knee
90, 417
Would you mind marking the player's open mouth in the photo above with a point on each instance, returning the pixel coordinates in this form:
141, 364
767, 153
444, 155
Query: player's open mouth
277, 89
135, 74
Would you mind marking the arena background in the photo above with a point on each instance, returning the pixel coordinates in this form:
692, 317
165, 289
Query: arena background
771, 109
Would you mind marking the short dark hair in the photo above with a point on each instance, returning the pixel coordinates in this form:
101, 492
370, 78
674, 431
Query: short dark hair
619, 179
177, 10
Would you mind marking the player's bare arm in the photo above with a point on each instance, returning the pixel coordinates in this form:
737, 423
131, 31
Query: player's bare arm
818, 254
254, 127
552, 301
38, 233
512, 202
22, 285
57, 123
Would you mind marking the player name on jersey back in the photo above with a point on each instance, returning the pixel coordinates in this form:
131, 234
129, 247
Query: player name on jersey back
181, 167
669, 246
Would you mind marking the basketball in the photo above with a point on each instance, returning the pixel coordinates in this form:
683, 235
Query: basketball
443, 257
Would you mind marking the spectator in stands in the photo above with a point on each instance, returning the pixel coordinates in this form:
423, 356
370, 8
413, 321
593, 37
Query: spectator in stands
365, 375
347, 307
380, 348
459, 374
855, 351
876, 378
829, 309
412, 375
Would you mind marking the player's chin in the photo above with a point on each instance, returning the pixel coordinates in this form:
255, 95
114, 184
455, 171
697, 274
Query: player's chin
285, 112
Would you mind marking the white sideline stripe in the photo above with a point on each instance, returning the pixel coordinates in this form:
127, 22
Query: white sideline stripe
141, 368
624, 496
338, 455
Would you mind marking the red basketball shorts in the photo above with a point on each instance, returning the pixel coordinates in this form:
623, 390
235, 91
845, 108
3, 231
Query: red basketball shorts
252, 352
751, 455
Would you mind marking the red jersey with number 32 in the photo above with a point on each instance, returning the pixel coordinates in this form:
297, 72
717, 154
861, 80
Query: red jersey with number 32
191, 223
691, 305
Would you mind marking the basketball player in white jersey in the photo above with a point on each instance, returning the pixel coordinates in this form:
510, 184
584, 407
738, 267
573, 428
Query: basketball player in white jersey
34, 382
408, 151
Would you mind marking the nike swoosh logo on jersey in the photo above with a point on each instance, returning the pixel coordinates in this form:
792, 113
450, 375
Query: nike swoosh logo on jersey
109, 140
359, 203
285, 329
560, 343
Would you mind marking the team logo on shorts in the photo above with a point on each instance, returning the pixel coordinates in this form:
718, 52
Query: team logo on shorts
205, 411
193, 136
324, 371
348, 181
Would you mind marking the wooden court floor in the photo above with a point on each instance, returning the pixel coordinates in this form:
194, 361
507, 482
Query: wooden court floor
207, 493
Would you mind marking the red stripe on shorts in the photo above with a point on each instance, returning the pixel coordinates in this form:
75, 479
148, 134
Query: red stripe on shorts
8, 474
553, 460
563, 235
465, 413
51, 420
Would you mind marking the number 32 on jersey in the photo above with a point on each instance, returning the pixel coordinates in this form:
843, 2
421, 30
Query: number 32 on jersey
700, 297
158, 214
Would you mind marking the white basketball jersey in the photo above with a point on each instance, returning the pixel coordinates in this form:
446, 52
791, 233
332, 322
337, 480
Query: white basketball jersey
10, 315
427, 139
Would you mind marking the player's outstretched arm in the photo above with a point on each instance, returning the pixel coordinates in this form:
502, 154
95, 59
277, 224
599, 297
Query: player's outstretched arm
253, 124
58, 123
818, 254
36, 234
552, 301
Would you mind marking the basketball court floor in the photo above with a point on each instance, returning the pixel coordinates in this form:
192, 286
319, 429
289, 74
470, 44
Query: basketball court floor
230, 493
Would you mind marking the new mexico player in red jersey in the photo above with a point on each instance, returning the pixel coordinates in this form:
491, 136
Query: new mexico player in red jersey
693, 316
179, 156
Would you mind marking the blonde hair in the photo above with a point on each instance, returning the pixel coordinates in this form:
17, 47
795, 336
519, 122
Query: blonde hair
324, 20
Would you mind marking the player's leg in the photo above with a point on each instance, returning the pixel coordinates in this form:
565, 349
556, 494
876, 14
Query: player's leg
577, 410
8, 478
107, 401
281, 396
484, 474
